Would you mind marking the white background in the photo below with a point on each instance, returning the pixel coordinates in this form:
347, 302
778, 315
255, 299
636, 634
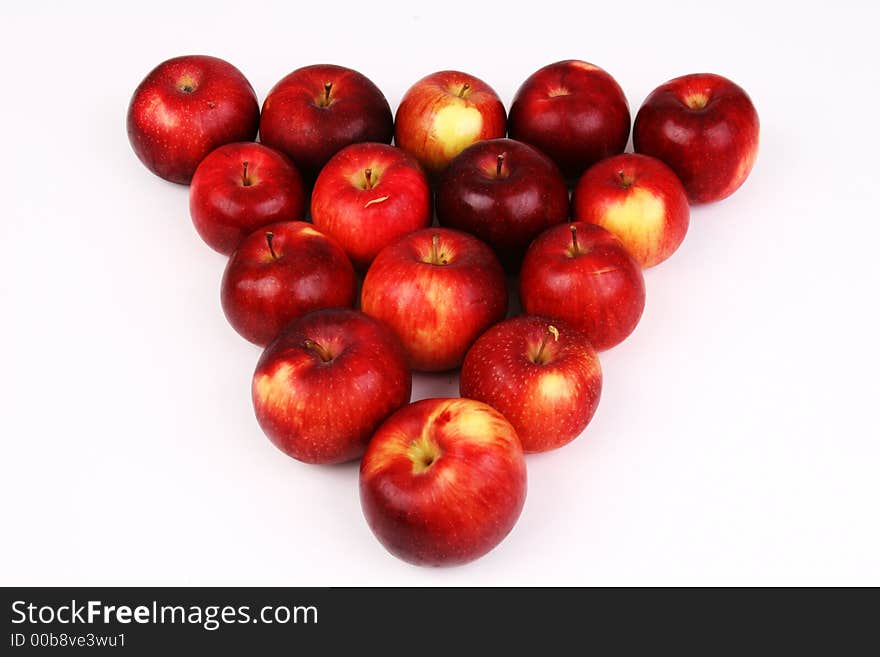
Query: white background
737, 440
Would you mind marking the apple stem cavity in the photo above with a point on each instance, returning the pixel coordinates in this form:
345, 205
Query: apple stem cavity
423, 453
625, 181
551, 331
245, 181
322, 352
368, 179
464, 89
498, 165
269, 238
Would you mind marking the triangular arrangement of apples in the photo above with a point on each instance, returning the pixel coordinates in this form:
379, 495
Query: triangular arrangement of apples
350, 303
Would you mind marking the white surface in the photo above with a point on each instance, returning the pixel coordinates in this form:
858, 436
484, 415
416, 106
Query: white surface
737, 440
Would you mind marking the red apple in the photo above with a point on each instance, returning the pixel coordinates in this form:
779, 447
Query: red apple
504, 192
438, 289
574, 112
705, 128
541, 374
444, 113
241, 187
443, 481
639, 199
368, 196
582, 274
279, 273
324, 385
184, 109
315, 111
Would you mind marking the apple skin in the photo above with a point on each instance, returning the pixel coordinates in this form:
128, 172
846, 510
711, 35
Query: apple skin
240, 187
573, 111
504, 192
598, 288
184, 109
437, 310
444, 113
639, 199
310, 124
705, 128
541, 374
443, 481
324, 385
368, 196
278, 274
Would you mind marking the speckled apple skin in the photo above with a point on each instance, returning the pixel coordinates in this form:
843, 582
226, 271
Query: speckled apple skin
713, 148
171, 129
599, 290
437, 310
297, 121
225, 210
326, 412
549, 402
261, 294
364, 218
573, 111
465, 503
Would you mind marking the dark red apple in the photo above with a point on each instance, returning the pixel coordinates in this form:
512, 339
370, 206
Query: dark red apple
184, 109
324, 385
241, 187
541, 374
504, 192
705, 128
438, 289
317, 110
582, 274
574, 112
368, 196
639, 199
278, 274
444, 113
443, 481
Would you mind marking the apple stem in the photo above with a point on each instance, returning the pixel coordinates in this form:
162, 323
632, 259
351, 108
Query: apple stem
318, 349
551, 330
574, 238
499, 164
368, 178
625, 181
269, 237
464, 89
245, 181
327, 87
435, 251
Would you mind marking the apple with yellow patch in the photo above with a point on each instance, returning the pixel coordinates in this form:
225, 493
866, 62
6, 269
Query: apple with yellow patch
542, 375
444, 113
438, 289
279, 273
443, 481
324, 385
639, 199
